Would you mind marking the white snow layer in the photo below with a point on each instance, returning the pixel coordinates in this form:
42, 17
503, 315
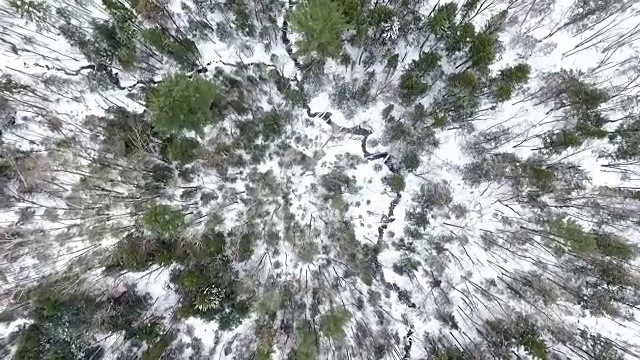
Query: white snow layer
474, 263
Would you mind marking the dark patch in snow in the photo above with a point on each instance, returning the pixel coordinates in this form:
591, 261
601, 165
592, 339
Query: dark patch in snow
365, 133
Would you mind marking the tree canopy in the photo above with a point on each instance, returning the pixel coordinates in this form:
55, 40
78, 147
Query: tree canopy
182, 102
319, 180
321, 24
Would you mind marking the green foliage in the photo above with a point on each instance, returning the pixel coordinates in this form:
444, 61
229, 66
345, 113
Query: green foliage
320, 23
155, 350
426, 63
33, 344
539, 177
351, 10
125, 314
580, 94
406, 266
439, 121
182, 149
349, 96
447, 318
257, 133
580, 102
161, 176
136, 253
395, 182
184, 52
375, 26
588, 126
533, 345
431, 196
381, 15
448, 354
572, 234
411, 87
469, 6
148, 332
9, 86
337, 182
181, 50
518, 330
306, 348
270, 302
626, 139
443, 20
208, 287
599, 347
181, 102
610, 275
461, 99
332, 324
416, 81
561, 140
295, 96
483, 50
64, 324
386, 112
123, 16
338, 203
34, 11
294, 231
571, 90
246, 246
154, 37
614, 246
307, 251
263, 352
112, 40
212, 246
591, 242
163, 220
392, 64
242, 19
509, 79
466, 82
461, 37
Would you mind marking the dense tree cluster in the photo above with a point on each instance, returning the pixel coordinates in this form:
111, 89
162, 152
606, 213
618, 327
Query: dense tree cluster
319, 179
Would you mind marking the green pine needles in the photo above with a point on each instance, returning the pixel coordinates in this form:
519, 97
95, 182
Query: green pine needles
321, 23
181, 103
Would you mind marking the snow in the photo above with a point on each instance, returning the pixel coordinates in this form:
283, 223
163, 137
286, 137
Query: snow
473, 264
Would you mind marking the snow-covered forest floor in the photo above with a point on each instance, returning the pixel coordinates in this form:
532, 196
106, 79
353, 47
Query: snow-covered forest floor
319, 180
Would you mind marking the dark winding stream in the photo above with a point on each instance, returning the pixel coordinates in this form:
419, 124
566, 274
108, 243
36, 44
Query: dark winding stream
364, 133
113, 77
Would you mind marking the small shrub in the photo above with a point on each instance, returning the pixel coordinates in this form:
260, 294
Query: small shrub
306, 348
163, 220
533, 345
612, 245
155, 351
183, 150
332, 324
308, 250
246, 246
395, 182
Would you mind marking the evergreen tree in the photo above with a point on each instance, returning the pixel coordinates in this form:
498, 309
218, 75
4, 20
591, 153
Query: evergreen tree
509, 79
171, 167
321, 24
182, 103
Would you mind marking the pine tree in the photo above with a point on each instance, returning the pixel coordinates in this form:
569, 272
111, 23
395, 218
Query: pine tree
182, 103
509, 79
320, 23
163, 220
